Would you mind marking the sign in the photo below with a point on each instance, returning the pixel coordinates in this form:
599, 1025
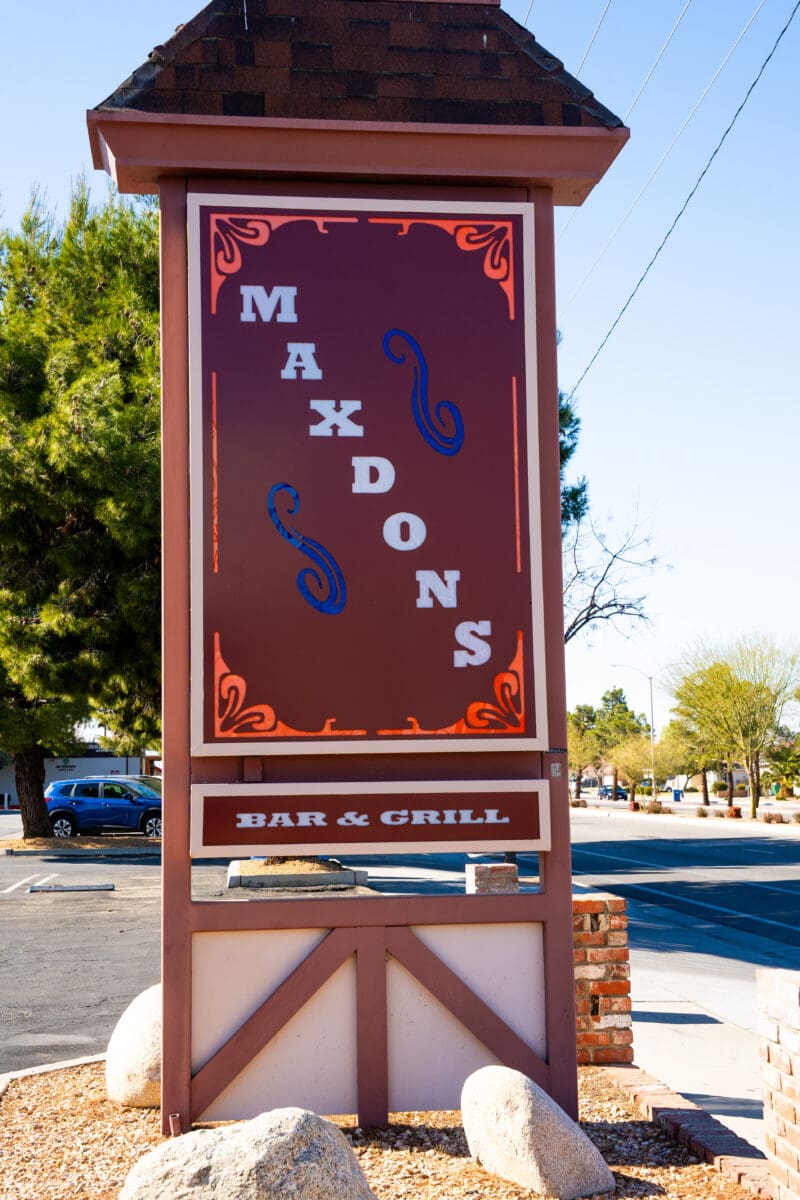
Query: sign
368, 818
366, 561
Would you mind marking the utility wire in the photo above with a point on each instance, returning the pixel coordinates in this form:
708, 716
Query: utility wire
666, 153
687, 201
579, 68
636, 98
659, 56
528, 13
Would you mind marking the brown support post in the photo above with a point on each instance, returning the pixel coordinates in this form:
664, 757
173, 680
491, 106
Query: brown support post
555, 870
176, 955
371, 1026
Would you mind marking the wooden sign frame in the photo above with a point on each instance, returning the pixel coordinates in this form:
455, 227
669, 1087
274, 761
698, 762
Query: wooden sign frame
189, 1088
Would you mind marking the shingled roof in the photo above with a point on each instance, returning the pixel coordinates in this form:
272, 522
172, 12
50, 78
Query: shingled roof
360, 60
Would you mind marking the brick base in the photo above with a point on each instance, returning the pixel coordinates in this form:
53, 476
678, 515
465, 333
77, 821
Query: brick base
602, 979
779, 1027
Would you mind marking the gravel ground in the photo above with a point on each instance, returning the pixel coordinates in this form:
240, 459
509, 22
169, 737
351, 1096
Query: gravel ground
62, 1139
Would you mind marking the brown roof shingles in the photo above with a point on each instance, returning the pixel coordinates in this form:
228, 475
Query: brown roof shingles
360, 60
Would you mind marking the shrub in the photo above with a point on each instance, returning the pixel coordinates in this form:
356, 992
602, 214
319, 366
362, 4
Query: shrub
719, 812
656, 807
702, 811
772, 818
797, 817
645, 791
691, 789
719, 787
734, 811
578, 803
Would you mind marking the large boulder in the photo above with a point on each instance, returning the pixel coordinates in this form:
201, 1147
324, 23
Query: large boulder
281, 1154
133, 1059
516, 1131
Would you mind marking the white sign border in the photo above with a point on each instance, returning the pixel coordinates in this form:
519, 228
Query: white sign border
411, 744
473, 787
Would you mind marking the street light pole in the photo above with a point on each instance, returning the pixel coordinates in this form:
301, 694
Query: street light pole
649, 678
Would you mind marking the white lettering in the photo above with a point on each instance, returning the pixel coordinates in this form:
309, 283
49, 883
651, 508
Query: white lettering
449, 817
251, 820
398, 816
404, 531
425, 816
301, 358
311, 818
493, 817
280, 298
372, 475
471, 634
432, 585
281, 821
465, 817
338, 418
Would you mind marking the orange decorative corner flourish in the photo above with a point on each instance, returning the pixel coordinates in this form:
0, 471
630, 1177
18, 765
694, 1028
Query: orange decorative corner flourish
504, 714
230, 231
234, 719
495, 237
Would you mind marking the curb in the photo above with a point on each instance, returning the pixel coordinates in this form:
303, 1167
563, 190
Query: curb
702, 1134
111, 852
785, 828
8, 1077
319, 879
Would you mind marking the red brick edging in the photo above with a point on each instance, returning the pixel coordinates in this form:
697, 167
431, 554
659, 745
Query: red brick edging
702, 1134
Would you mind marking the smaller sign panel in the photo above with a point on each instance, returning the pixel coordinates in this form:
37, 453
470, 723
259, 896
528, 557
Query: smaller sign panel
370, 818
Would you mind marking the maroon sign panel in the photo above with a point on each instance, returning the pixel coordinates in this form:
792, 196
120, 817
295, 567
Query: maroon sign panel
365, 509
369, 818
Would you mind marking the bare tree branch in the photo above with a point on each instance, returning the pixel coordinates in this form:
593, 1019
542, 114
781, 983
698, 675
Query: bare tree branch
599, 575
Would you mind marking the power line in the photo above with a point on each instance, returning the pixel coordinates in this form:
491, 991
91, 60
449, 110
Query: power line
592, 38
528, 13
636, 98
666, 153
686, 202
659, 57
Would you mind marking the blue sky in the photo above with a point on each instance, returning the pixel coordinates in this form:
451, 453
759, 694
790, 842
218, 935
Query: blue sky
690, 413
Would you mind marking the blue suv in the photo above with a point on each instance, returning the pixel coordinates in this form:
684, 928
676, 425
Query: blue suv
94, 804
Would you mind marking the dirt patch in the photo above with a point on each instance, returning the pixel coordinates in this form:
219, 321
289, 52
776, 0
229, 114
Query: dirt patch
287, 866
62, 1139
121, 842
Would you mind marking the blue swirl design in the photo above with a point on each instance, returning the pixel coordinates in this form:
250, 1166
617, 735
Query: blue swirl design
325, 575
433, 427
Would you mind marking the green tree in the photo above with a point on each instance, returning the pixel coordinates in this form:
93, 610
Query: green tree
615, 723
583, 748
79, 481
735, 698
680, 751
632, 759
574, 496
783, 760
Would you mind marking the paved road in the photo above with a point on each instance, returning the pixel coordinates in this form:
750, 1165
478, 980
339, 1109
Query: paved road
70, 962
708, 903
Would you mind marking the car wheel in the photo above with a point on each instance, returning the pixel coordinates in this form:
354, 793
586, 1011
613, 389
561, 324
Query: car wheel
63, 826
151, 824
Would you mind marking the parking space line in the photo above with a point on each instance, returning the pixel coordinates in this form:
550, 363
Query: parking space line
22, 882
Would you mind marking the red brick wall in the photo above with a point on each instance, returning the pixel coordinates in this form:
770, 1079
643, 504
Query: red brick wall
779, 1027
602, 979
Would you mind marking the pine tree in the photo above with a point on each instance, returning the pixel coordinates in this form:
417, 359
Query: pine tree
79, 482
